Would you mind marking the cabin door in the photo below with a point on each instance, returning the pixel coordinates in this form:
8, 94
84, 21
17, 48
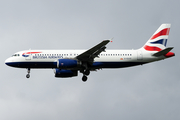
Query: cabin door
139, 55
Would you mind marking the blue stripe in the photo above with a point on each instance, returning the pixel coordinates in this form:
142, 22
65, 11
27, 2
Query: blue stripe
165, 42
96, 65
33, 64
161, 41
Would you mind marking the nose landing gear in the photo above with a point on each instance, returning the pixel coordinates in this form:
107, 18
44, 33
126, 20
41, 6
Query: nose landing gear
28, 71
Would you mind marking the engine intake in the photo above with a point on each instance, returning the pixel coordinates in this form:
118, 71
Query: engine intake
65, 73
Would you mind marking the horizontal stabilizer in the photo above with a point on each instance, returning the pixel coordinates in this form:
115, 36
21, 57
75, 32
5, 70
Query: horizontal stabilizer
163, 52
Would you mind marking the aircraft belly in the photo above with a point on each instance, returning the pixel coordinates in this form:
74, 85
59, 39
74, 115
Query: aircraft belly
33, 64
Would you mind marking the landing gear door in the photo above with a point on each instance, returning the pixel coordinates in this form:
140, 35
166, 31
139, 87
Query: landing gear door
139, 55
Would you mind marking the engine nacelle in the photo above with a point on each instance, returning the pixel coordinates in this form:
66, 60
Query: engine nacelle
65, 73
67, 63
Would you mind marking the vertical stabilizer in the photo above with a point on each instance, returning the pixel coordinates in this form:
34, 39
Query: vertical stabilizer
158, 40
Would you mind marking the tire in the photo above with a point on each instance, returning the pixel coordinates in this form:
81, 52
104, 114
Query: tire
27, 76
84, 78
87, 72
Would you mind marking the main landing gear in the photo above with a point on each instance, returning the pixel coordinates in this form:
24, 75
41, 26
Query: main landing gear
85, 74
28, 71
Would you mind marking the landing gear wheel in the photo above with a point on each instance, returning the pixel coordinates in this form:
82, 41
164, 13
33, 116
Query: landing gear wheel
84, 78
28, 76
87, 72
28, 71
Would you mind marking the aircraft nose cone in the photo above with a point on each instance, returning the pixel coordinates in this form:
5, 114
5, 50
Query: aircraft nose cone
7, 61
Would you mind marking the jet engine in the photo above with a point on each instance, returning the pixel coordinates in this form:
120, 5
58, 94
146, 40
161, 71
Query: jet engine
67, 63
65, 73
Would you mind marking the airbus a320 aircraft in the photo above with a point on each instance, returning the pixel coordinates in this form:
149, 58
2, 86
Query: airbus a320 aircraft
67, 63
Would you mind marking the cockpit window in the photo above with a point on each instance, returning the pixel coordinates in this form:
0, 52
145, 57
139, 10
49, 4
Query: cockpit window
15, 55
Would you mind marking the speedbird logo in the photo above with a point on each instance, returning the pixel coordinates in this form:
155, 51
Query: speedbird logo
29, 53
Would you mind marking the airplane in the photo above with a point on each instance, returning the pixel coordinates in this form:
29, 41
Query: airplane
67, 63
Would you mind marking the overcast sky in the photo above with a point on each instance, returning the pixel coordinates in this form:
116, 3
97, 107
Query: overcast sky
148, 92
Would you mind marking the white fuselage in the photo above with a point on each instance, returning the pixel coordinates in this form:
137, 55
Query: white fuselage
108, 59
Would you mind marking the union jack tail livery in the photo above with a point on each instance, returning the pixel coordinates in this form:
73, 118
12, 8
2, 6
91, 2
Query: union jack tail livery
158, 40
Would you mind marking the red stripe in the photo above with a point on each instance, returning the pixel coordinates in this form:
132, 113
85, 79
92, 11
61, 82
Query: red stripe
31, 53
162, 32
169, 54
151, 48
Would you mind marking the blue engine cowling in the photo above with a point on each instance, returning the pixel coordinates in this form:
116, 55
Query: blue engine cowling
65, 73
67, 63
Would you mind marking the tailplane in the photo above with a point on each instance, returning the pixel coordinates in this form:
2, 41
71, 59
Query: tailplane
163, 52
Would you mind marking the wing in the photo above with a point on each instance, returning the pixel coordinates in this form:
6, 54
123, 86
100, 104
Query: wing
89, 55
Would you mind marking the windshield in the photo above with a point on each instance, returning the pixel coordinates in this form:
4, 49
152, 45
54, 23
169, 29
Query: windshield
15, 55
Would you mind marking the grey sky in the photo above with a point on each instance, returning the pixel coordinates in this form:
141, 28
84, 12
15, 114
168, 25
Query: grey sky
144, 92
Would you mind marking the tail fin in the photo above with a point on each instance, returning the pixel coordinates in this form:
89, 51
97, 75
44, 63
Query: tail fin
158, 40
